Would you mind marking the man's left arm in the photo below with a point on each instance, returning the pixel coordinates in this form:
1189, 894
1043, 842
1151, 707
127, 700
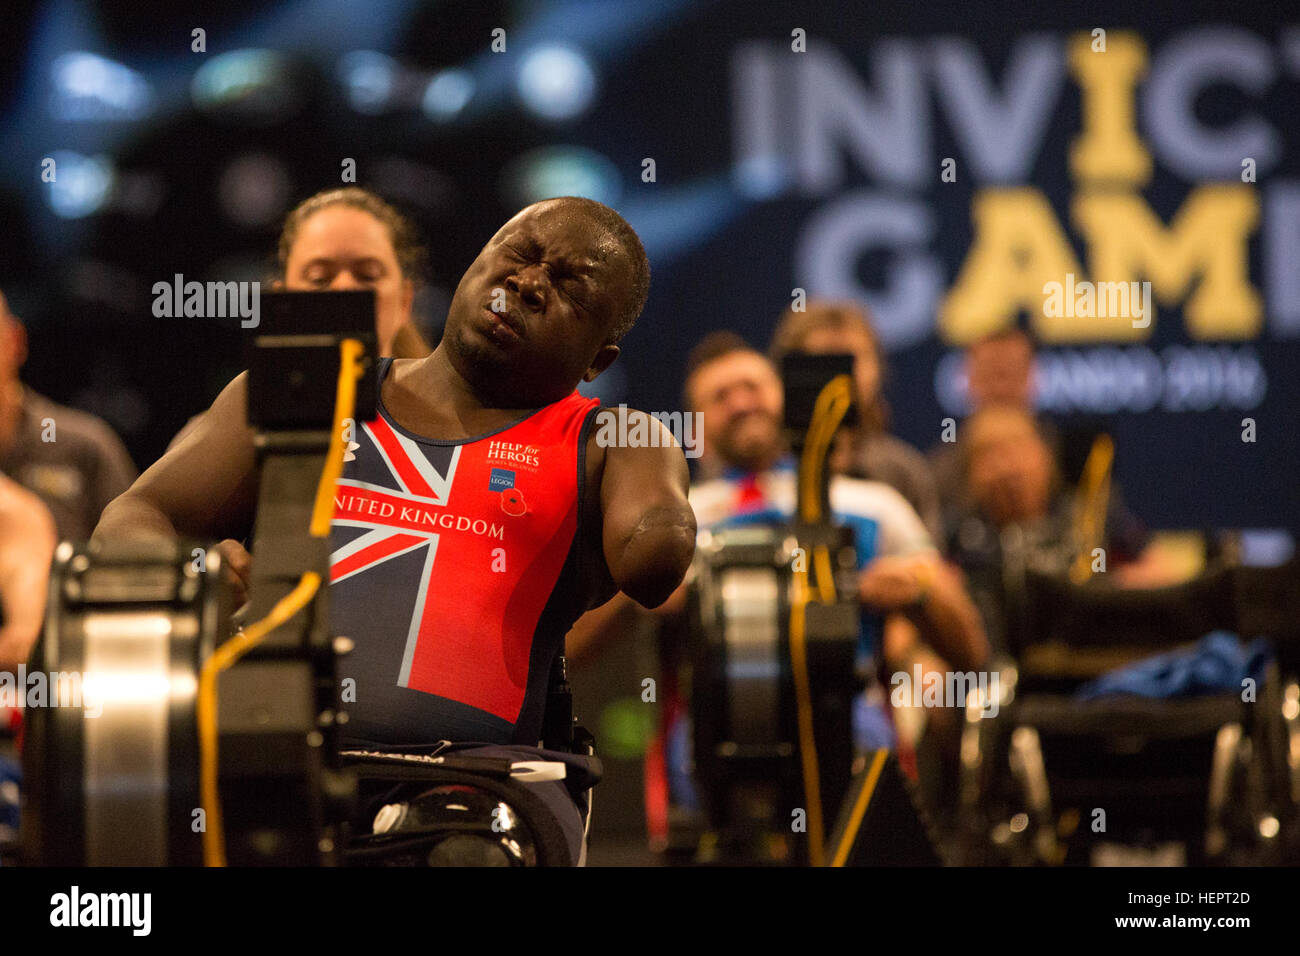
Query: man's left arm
912, 578
929, 592
648, 533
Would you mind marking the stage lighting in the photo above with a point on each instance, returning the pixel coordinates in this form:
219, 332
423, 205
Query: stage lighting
90, 87
251, 85
556, 82
447, 94
254, 190
561, 171
370, 79
82, 184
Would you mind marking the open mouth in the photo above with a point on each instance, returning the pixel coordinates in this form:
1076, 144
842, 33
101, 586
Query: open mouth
504, 324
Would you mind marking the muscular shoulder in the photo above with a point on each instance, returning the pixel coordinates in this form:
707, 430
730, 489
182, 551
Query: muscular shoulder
630, 438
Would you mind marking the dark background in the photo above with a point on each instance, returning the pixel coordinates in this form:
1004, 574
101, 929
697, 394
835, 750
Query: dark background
160, 175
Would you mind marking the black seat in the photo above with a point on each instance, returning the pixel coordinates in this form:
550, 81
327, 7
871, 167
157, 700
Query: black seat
1158, 770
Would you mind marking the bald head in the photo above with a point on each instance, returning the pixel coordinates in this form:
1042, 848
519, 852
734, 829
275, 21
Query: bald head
618, 243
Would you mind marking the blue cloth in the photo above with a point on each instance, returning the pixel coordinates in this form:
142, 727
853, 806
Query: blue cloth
872, 728
11, 776
1218, 663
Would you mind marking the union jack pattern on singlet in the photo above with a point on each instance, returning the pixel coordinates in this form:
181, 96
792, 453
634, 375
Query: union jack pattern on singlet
453, 568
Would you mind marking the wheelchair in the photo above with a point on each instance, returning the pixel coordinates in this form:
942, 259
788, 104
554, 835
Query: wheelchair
210, 748
1204, 780
462, 806
111, 767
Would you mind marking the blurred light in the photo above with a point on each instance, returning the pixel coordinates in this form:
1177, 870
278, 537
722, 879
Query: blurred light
561, 171
762, 177
1266, 547
135, 687
93, 280
1269, 827
447, 94
370, 79
556, 82
138, 194
397, 177
254, 190
1019, 823
249, 84
89, 86
82, 184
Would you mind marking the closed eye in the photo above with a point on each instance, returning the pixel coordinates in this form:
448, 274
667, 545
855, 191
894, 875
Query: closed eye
576, 299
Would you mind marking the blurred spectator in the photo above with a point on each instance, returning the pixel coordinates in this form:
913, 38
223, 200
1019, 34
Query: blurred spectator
869, 451
26, 549
350, 239
903, 585
999, 372
1016, 501
70, 459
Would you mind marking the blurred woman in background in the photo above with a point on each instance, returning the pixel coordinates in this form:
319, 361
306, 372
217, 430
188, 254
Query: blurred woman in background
349, 238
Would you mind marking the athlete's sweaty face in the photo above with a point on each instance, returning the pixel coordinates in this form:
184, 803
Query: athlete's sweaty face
534, 313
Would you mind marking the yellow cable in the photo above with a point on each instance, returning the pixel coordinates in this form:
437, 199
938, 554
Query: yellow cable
832, 404
350, 351
860, 808
829, 410
1091, 506
803, 711
825, 576
214, 847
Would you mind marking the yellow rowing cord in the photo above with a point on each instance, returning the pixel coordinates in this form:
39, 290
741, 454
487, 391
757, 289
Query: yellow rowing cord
832, 405
350, 352
1091, 506
214, 846
860, 808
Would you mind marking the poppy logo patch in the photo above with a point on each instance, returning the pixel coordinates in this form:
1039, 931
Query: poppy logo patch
512, 502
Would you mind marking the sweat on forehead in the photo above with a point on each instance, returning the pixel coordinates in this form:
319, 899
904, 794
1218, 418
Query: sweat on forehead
567, 213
